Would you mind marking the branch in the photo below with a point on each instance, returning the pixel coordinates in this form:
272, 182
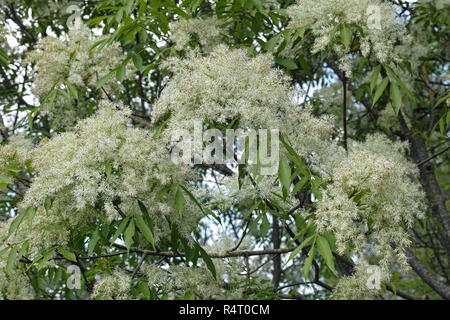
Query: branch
427, 276
432, 157
17, 20
245, 253
341, 76
435, 196
221, 168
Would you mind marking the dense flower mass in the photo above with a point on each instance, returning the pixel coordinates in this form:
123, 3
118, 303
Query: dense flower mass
204, 31
372, 201
64, 67
97, 169
377, 32
113, 286
98, 184
364, 284
222, 86
176, 280
229, 85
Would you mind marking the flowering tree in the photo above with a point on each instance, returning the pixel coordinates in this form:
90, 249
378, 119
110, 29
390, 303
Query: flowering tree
94, 96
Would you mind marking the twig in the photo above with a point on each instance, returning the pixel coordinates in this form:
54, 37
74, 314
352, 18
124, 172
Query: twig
432, 157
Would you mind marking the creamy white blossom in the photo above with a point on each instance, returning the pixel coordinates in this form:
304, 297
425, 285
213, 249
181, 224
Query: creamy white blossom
72, 64
98, 169
205, 31
113, 286
378, 30
373, 200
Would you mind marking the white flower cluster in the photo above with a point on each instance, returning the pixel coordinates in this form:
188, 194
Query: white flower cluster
17, 150
311, 137
364, 284
15, 285
373, 201
71, 62
179, 279
101, 166
206, 31
115, 286
378, 29
227, 85
222, 86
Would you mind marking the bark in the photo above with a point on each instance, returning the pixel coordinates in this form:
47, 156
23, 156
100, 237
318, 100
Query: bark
436, 198
276, 239
428, 277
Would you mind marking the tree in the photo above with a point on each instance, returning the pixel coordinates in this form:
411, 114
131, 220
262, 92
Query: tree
116, 117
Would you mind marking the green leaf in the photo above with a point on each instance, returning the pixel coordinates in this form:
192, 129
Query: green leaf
325, 251
129, 233
45, 258
396, 97
96, 20
67, 254
179, 201
300, 247
191, 253
104, 80
295, 157
305, 66
346, 36
18, 220
146, 216
442, 126
23, 249
119, 15
30, 216
120, 73
5, 179
48, 204
300, 185
205, 211
287, 63
284, 174
72, 89
301, 233
308, 262
442, 99
374, 77
143, 227
120, 229
93, 242
137, 60
11, 260
380, 90
209, 263
265, 225
270, 44
4, 58
108, 170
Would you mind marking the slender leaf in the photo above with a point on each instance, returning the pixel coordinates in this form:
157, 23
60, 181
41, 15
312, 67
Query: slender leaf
380, 90
146, 232
325, 251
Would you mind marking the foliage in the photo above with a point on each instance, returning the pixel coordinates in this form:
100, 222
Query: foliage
92, 93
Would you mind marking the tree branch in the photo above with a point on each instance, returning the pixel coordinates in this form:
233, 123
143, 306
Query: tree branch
427, 276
